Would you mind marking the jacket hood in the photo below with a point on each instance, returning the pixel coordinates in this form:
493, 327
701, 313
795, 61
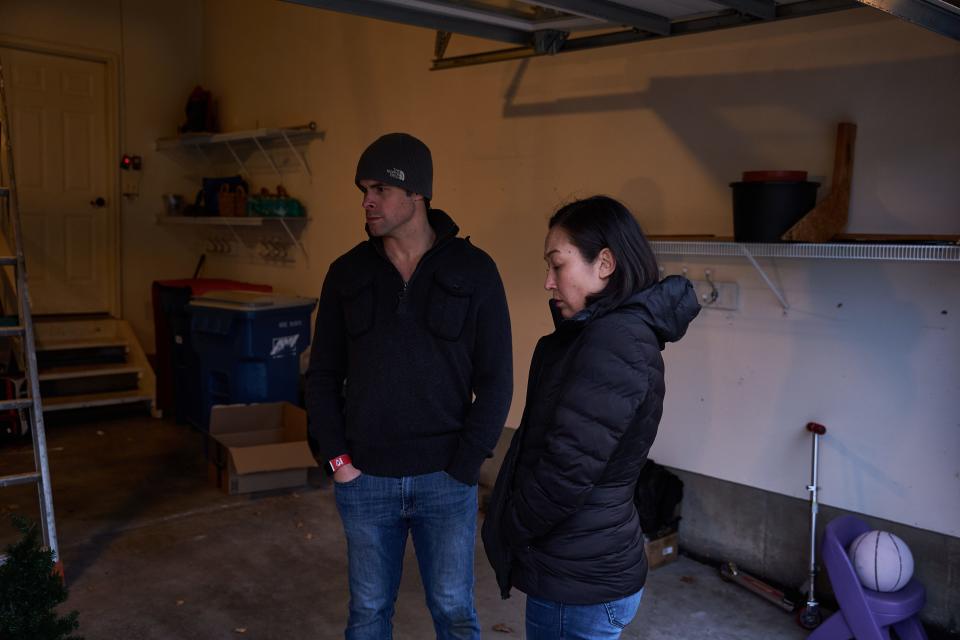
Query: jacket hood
667, 307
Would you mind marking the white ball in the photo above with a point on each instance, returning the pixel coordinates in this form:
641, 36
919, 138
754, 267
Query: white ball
883, 561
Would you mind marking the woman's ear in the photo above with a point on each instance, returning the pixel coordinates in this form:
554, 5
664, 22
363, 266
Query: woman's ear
608, 263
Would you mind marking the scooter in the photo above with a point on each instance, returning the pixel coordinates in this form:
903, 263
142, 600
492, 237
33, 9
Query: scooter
809, 615
731, 573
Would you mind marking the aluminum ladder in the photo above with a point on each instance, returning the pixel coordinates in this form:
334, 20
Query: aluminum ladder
23, 337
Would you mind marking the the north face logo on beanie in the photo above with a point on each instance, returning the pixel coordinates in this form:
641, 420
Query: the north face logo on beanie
400, 160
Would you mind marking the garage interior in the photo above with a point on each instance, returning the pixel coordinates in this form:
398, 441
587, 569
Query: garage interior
525, 105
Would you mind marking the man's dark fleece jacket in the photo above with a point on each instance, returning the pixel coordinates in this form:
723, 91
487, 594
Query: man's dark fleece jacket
416, 377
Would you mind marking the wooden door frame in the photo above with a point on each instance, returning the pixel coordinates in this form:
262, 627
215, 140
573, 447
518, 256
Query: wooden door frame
111, 62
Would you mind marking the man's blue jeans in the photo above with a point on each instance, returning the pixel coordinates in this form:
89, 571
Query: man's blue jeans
441, 515
549, 620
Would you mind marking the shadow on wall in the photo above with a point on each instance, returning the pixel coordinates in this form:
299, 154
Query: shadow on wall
863, 340
734, 121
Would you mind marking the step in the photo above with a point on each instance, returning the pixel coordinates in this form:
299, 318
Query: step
91, 362
86, 371
84, 401
118, 380
79, 352
67, 344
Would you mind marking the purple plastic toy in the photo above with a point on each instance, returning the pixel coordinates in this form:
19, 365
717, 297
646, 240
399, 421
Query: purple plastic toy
864, 614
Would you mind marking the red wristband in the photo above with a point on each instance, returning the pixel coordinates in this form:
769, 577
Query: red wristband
339, 461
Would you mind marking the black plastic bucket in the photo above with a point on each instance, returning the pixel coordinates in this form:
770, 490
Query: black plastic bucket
763, 211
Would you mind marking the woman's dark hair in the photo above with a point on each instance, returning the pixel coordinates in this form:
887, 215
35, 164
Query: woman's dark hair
601, 222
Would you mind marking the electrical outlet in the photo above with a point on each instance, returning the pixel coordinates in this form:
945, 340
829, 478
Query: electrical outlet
717, 295
130, 183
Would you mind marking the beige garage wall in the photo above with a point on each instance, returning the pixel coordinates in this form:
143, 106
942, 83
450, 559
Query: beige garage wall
867, 348
92, 25
157, 48
665, 126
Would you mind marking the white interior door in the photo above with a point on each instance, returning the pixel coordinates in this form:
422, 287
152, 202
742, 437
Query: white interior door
58, 114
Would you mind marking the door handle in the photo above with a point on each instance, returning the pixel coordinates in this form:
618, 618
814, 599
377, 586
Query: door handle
98, 203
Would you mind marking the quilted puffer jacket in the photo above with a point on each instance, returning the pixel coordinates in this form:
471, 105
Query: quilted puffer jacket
562, 524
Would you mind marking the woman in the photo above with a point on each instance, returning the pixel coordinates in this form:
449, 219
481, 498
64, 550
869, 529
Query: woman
562, 526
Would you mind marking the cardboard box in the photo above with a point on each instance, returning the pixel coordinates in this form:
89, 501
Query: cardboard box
662, 550
258, 447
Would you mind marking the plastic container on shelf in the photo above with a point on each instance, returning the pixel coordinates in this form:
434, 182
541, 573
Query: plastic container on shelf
767, 203
275, 205
177, 371
248, 346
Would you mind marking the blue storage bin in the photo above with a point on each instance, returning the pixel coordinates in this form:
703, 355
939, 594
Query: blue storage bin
177, 366
248, 346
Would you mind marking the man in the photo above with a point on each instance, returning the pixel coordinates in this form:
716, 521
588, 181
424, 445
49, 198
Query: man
409, 384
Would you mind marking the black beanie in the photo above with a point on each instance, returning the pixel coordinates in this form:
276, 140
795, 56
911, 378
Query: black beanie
398, 159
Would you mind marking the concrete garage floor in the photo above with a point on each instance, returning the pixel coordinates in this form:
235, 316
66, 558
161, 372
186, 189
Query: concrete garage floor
153, 551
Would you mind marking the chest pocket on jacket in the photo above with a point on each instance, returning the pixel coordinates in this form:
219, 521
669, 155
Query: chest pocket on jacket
357, 300
448, 305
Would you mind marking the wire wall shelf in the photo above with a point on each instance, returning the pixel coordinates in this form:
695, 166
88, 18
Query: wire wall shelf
289, 224
905, 252
229, 221
238, 146
824, 251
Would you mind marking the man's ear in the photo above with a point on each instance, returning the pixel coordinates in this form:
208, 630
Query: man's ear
608, 263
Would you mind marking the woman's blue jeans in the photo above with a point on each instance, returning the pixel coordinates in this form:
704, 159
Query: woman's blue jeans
441, 515
549, 620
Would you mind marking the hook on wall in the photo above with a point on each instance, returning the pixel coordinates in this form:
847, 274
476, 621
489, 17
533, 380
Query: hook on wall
273, 249
219, 245
711, 297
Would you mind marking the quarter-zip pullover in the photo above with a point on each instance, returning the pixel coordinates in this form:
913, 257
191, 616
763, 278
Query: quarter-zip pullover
412, 377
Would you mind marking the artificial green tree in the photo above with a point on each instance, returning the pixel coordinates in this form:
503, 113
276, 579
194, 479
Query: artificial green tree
30, 591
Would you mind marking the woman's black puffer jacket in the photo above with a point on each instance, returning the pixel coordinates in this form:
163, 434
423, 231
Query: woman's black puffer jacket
562, 524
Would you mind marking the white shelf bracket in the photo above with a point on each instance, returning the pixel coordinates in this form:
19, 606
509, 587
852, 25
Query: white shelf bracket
300, 158
293, 238
236, 235
200, 152
266, 155
243, 167
766, 278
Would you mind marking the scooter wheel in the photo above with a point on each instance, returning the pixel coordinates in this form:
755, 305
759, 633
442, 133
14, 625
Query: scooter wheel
728, 571
809, 617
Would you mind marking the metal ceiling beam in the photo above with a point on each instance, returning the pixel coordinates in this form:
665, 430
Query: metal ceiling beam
470, 22
440, 44
685, 27
606, 11
763, 9
935, 15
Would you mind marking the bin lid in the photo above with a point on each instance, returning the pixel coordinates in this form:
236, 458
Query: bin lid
249, 301
199, 286
774, 176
